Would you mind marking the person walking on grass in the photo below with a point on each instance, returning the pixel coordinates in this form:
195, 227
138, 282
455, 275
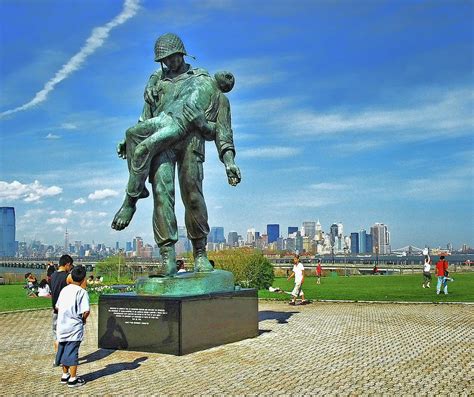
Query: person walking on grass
298, 274
427, 272
319, 271
442, 273
73, 309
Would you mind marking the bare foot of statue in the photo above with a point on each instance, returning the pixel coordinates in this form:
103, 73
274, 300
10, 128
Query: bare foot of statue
125, 214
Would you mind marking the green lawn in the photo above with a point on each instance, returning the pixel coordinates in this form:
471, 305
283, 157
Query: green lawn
370, 288
378, 288
13, 297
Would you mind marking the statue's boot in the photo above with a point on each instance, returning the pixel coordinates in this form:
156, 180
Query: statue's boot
201, 263
168, 260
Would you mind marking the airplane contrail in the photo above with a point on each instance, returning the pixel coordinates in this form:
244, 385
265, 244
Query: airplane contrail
93, 42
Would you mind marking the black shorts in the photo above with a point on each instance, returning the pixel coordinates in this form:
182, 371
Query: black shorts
68, 353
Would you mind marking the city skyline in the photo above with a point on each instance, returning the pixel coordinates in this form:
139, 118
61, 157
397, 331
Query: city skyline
334, 236
340, 113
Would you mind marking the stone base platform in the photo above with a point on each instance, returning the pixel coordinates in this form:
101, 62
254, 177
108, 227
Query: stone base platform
176, 325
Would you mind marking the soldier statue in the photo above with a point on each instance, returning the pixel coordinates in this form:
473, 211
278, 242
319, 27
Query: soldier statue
184, 107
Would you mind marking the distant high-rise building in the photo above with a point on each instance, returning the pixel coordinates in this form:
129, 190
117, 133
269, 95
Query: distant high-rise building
251, 236
138, 243
66, 241
362, 241
183, 245
216, 235
354, 243
369, 247
319, 231
7, 231
340, 229
380, 238
273, 232
233, 239
128, 246
292, 229
309, 229
299, 243
333, 233
117, 245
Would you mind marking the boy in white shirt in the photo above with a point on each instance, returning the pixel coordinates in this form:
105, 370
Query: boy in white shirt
298, 274
73, 310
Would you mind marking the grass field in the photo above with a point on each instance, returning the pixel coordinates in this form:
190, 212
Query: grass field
359, 288
379, 288
13, 297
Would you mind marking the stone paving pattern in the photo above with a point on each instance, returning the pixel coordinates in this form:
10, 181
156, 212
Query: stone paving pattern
319, 349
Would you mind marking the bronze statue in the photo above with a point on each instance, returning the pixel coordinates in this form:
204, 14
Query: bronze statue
184, 106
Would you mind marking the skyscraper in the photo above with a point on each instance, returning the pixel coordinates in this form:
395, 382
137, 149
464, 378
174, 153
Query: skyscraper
292, 229
251, 236
273, 232
333, 233
369, 247
309, 229
233, 239
362, 241
7, 231
355, 243
216, 235
380, 238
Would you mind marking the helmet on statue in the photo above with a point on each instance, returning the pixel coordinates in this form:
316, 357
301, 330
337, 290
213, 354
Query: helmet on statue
168, 44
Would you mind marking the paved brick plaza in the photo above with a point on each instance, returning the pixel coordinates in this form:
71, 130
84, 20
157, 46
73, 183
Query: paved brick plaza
322, 348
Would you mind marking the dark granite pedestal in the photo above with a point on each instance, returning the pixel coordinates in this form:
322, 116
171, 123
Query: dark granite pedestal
176, 325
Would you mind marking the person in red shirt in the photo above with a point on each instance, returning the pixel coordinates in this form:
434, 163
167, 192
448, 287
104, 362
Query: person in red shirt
441, 272
319, 271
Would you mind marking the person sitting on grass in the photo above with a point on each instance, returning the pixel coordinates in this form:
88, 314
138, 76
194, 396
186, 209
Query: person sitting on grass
73, 309
31, 285
43, 289
298, 274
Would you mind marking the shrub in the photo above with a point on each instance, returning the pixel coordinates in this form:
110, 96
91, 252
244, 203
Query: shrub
250, 268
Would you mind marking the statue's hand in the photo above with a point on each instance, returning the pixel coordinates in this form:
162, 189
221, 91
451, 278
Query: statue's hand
122, 149
233, 174
151, 92
194, 116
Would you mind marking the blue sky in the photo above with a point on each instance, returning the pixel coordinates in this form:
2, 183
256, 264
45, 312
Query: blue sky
358, 112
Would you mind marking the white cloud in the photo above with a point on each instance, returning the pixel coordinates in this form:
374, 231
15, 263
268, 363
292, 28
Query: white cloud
33, 214
329, 186
27, 192
269, 152
52, 136
79, 201
449, 113
95, 214
102, 194
93, 42
68, 126
56, 221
